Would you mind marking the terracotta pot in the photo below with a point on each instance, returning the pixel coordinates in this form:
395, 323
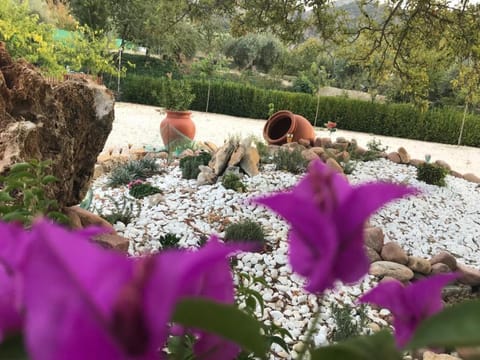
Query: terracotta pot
176, 126
285, 126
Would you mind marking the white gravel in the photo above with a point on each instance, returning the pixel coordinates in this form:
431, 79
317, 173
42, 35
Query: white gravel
438, 219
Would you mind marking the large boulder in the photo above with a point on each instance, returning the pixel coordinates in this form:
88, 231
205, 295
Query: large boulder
67, 123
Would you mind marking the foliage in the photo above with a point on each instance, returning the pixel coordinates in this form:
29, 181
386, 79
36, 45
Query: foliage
86, 203
348, 166
261, 51
232, 181
290, 160
169, 241
27, 37
177, 95
132, 170
189, 164
347, 326
23, 193
246, 230
399, 120
432, 174
374, 151
139, 191
263, 151
303, 84
123, 211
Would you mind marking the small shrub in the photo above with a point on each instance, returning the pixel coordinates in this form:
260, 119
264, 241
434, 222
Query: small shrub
22, 193
246, 230
232, 181
139, 189
87, 201
375, 145
432, 174
169, 241
263, 151
348, 167
290, 160
189, 164
123, 211
346, 325
132, 170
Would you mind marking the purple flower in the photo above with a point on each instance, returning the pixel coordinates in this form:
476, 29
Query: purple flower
327, 217
410, 305
85, 302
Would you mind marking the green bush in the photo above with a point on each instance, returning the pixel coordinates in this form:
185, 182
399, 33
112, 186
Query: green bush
232, 181
123, 211
133, 170
289, 160
23, 193
246, 230
139, 191
400, 120
346, 325
169, 241
189, 164
432, 174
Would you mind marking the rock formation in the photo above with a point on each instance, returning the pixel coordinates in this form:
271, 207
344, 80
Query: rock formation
67, 123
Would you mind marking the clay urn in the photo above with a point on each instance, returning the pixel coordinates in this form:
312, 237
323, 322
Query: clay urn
285, 125
177, 125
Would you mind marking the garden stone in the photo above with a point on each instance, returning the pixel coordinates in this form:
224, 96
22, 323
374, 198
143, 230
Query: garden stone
250, 160
374, 238
206, 176
419, 265
67, 123
86, 218
210, 146
443, 164
155, 199
440, 268
309, 155
469, 353
112, 241
469, 275
394, 157
326, 142
392, 269
446, 258
220, 159
429, 355
472, 178
416, 162
318, 150
237, 156
304, 142
404, 156
360, 150
393, 252
334, 165
372, 254
456, 174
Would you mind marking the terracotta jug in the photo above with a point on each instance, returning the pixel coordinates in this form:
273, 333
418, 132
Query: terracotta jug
176, 126
285, 125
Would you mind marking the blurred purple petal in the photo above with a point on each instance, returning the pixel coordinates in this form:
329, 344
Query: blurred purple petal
409, 305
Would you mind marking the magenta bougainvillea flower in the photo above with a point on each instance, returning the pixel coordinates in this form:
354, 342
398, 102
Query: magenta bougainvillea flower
327, 217
80, 301
410, 305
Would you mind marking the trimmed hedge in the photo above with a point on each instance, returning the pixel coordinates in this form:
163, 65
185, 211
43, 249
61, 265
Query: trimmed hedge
399, 120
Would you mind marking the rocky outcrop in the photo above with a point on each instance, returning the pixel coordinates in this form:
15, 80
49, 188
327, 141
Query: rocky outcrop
67, 123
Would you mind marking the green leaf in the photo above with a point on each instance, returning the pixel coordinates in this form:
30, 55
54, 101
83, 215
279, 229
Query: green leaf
49, 179
380, 346
21, 176
18, 215
224, 320
251, 303
279, 341
458, 325
20, 167
13, 349
257, 296
4, 196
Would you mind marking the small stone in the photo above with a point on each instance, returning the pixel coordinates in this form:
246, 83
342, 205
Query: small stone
392, 269
443, 164
394, 157
334, 165
318, 150
374, 327
419, 265
304, 142
374, 238
472, 178
372, 254
440, 268
446, 258
309, 155
469, 275
237, 156
112, 241
416, 162
250, 160
393, 252
404, 156
469, 353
